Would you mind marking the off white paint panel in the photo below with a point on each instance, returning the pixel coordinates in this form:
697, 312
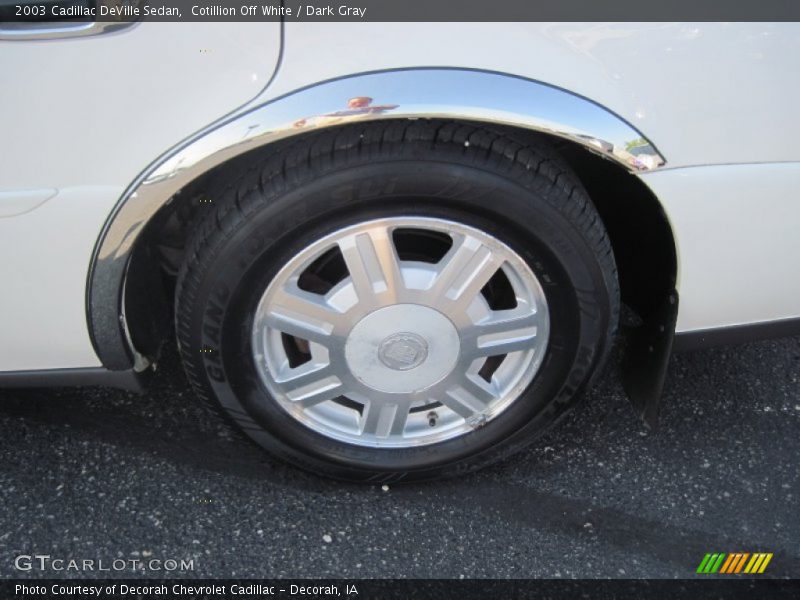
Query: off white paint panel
45, 255
704, 93
83, 117
738, 238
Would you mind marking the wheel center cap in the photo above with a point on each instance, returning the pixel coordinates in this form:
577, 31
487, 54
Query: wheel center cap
403, 351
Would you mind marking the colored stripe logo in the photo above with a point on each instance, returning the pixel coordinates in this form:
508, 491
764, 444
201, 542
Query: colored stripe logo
733, 563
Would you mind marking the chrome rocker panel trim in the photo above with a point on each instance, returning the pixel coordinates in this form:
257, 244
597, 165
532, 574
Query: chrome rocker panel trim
419, 93
128, 379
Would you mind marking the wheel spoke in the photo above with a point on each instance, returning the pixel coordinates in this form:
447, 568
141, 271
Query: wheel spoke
384, 419
302, 314
470, 399
466, 268
506, 332
373, 265
310, 384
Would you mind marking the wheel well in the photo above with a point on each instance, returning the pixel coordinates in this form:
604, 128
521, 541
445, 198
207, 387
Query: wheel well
640, 233
638, 228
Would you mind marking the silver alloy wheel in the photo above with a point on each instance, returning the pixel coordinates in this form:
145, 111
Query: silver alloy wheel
400, 348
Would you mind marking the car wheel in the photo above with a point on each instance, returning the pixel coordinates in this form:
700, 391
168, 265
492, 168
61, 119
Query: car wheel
398, 300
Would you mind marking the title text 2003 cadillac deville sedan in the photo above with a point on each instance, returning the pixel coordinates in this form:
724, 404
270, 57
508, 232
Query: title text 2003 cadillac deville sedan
387, 257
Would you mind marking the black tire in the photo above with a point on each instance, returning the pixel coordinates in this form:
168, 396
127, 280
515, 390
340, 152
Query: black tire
521, 193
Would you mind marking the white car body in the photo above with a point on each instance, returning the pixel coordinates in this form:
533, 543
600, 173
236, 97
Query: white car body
84, 119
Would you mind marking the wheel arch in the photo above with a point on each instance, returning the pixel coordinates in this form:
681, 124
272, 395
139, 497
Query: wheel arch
124, 307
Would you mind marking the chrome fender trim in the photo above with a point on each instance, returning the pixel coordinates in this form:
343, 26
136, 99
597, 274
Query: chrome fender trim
418, 93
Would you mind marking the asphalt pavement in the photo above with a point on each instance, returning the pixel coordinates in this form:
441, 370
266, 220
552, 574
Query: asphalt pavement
111, 476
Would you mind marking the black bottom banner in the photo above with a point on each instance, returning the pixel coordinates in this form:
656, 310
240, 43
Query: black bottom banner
219, 589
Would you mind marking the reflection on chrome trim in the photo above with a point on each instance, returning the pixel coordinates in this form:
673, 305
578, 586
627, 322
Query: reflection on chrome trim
56, 30
401, 94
